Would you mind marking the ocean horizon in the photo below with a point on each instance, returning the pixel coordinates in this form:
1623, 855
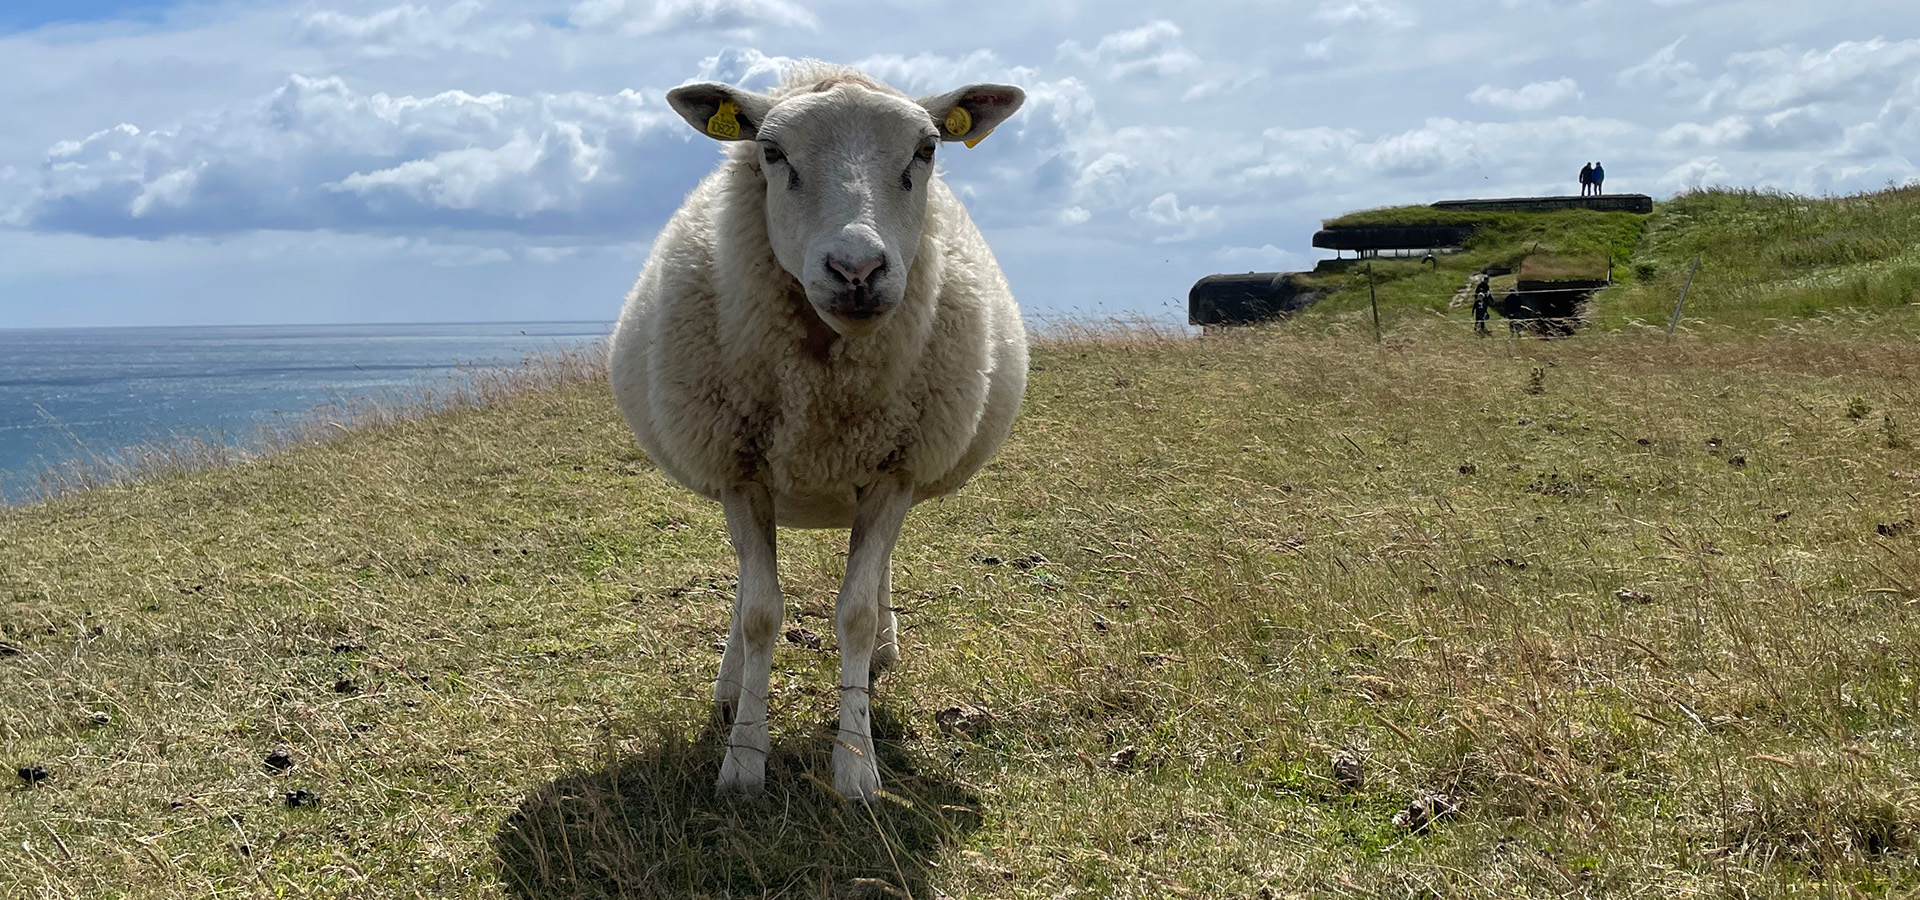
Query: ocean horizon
76, 394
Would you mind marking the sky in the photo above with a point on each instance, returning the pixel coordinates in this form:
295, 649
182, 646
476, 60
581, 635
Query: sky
197, 163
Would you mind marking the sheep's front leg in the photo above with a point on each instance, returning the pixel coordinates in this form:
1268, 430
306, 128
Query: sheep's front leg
748, 662
876, 526
886, 649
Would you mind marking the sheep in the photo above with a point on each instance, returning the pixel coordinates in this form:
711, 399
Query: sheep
820, 338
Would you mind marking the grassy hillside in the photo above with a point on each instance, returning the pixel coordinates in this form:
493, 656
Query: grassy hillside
1409, 289
1768, 260
1647, 614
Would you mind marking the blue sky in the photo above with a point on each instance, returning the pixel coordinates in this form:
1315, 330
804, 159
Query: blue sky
422, 160
17, 15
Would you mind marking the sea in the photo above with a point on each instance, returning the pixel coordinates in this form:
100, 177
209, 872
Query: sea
69, 394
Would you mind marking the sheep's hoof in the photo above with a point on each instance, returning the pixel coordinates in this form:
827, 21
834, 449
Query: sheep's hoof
884, 658
737, 781
855, 777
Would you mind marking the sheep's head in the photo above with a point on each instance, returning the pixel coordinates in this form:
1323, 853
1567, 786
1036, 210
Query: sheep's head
846, 167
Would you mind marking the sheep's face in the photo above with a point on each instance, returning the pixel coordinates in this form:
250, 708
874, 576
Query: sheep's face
847, 170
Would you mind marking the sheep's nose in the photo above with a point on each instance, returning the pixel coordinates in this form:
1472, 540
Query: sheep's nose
856, 272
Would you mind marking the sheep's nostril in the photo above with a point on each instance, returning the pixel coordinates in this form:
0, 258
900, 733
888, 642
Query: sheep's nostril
855, 272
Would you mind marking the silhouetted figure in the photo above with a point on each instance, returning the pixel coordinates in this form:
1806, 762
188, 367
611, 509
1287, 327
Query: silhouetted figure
1599, 175
1586, 179
1482, 306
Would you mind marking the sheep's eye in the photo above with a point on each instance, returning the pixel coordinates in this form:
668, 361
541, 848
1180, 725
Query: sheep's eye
773, 153
925, 153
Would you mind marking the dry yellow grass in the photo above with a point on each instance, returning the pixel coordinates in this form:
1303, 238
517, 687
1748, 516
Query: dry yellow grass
1647, 613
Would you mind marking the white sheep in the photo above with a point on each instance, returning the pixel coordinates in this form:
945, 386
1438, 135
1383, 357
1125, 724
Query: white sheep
820, 339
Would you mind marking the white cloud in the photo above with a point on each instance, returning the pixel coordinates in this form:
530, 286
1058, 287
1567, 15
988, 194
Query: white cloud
1184, 223
317, 154
1151, 50
926, 73
1698, 172
744, 67
414, 30
1531, 98
1789, 129
1378, 12
497, 126
1664, 70
638, 17
1776, 78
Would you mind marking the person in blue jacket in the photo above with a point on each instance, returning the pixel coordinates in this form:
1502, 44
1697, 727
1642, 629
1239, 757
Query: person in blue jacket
1599, 175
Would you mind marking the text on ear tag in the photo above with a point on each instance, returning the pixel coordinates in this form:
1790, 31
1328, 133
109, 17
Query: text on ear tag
724, 124
959, 122
974, 141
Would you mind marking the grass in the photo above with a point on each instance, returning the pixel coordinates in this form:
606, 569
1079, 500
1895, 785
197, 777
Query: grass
1411, 291
1646, 612
1769, 261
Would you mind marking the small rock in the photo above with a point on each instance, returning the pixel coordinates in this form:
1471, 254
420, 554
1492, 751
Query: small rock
1713, 442
1629, 595
1425, 811
301, 797
1349, 769
1781, 516
966, 721
1124, 758
33, 774
99, 718
280, 760
802, 637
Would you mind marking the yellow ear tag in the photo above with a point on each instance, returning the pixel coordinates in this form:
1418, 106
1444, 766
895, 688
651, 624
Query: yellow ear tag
974, 141
723, 124
959, 122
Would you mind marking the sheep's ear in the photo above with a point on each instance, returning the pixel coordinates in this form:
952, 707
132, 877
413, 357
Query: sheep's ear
719, 111
972, 112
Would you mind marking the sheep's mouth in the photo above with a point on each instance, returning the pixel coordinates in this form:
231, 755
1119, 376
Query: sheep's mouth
857, 306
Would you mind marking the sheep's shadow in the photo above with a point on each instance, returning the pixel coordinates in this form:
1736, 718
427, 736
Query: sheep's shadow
650, 826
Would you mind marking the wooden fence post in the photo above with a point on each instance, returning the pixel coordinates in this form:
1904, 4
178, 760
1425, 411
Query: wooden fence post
1683, 298
1373, 302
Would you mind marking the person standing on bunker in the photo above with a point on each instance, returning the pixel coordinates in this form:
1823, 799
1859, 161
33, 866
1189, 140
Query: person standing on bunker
1586, 179
1599, 176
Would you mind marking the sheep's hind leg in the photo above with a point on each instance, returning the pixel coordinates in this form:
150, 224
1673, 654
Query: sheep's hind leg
876, 526
748, 663
886, 647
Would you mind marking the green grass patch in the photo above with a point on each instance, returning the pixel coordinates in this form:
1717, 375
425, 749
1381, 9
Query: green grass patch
1769, 258
1648, 612
1769, 261
1409, 290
